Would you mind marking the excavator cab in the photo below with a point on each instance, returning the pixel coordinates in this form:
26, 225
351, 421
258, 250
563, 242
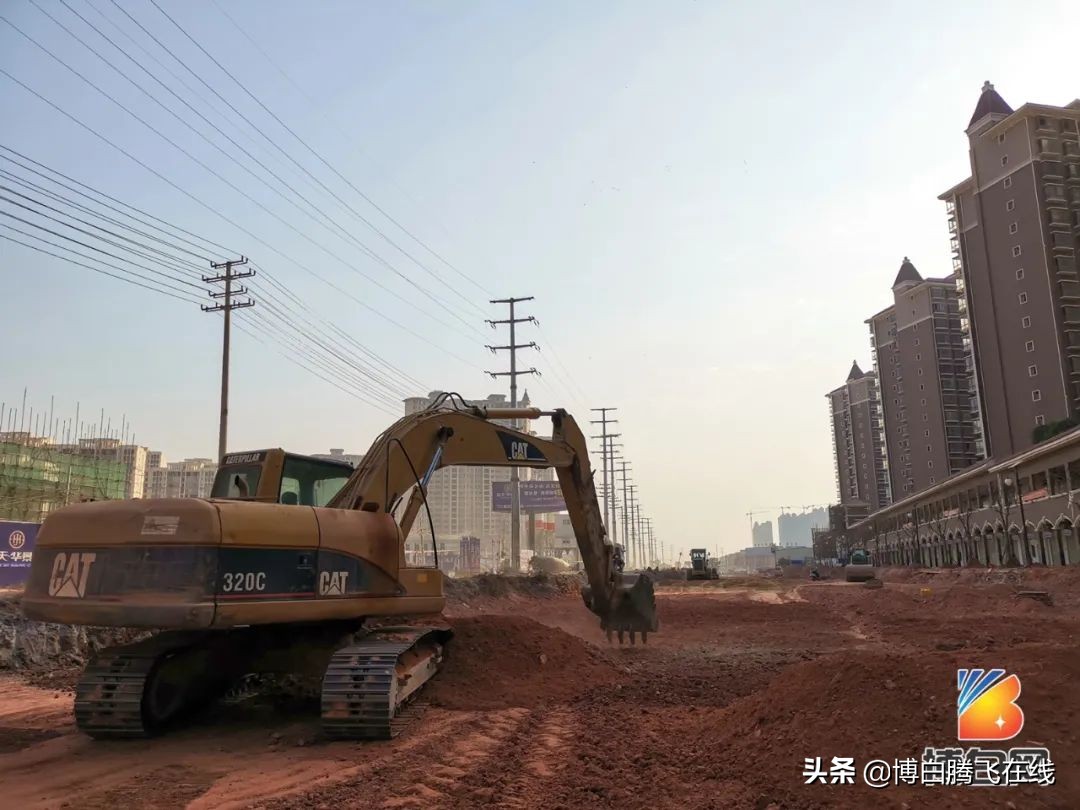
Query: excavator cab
275, 476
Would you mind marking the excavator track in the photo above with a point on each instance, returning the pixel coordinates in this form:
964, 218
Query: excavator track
368, 688
129, 691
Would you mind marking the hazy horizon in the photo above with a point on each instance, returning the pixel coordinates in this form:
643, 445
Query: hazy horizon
706, 202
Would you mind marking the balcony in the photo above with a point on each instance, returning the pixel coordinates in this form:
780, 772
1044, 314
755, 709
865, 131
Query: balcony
1055, 195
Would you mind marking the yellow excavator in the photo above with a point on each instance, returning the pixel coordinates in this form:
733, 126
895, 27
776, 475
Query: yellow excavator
282, 567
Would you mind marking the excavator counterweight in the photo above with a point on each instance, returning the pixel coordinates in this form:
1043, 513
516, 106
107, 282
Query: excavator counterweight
280, 569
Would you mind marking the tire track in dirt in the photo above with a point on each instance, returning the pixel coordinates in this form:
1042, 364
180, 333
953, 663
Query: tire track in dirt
445, 780
546, 755
257, 784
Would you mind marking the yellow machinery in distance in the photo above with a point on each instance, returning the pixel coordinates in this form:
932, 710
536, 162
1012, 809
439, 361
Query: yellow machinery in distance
276, 573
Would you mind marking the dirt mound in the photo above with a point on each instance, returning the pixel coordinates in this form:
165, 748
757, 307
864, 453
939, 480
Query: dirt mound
501, 586
497, 662
50, 654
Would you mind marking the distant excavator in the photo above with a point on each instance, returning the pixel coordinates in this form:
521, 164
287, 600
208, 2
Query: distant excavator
280, 569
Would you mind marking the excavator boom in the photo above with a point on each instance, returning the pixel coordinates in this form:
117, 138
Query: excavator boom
402, 460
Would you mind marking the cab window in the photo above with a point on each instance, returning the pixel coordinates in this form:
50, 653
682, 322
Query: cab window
309, 482
236, 481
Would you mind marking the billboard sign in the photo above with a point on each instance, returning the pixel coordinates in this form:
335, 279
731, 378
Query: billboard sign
16, 551
535, 496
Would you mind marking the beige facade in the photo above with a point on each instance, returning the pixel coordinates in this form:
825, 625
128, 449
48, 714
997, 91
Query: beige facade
861, 466
190, 478
920, 357
1015, 227
460, 497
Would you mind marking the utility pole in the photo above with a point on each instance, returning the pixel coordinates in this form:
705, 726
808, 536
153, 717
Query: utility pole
649, 544
626, 511
227, 306
633, 538
640, 529
603, 437
513, 374
612, 458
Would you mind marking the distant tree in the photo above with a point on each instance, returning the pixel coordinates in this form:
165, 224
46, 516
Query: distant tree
1048, 431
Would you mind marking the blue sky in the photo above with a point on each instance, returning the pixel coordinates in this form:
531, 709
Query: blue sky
706, 199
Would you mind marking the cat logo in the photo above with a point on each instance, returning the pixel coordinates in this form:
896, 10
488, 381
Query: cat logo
519, 451
332, 583
70, 573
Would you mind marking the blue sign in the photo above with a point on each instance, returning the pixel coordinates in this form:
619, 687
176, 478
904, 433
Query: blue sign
533, 496
16, 551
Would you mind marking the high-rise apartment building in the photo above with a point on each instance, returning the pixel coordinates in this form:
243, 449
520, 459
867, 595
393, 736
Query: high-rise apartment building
1015, 226
190, 478
920, 358
761, 535
862, 472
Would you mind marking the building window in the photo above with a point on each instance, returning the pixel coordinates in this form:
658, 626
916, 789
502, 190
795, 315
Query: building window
920, 372
924, 402
1010, 205
1001, 137
1030, 345
922, 388
1016, 250
1022, 298
1033, 371
1013, 227
1004, 160
916, 341
932, 479
1007, 183
1040, 420
1026, 322
918, 356
1036, 395
1020, 274
926, 433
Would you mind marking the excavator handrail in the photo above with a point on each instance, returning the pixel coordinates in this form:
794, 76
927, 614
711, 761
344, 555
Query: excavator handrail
441, 437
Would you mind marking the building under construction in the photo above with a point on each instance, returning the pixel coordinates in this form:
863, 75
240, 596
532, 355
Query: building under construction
46, 463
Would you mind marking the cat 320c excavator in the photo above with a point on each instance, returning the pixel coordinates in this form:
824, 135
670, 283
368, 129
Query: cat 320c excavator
279, 569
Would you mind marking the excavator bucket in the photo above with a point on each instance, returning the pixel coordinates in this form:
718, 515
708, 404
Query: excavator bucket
632, 609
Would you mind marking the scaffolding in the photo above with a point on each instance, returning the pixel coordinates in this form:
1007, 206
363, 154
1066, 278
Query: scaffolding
48, 462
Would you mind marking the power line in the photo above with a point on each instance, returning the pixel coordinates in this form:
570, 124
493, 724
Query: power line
57, 197
100, 193
292, 160
228, 182
266, 275
338, 230
145, 286
232, 222
326, 163
172, 262
91, 247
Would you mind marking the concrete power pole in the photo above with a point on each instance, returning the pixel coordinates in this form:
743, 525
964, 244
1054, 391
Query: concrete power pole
633, 536
513, 374
640, 528
603, 437
226, 306
626, 511
649, 538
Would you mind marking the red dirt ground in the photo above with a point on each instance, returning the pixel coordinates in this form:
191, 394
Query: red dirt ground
534, 710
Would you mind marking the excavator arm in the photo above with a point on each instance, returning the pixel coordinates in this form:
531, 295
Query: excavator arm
402, 460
